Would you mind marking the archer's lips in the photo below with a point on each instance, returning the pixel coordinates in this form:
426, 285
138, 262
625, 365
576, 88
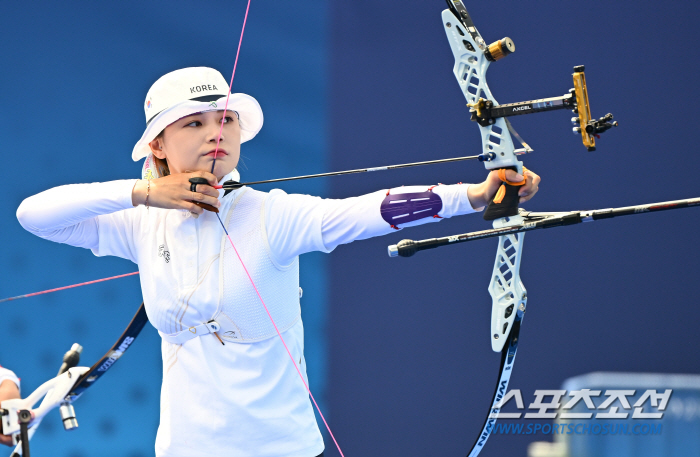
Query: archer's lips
219, 153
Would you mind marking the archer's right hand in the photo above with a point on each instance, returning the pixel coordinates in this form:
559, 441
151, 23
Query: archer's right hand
173, 192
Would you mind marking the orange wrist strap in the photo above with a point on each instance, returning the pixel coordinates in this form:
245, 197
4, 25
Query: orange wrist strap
502, 190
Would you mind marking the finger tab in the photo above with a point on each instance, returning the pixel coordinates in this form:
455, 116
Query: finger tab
207, 207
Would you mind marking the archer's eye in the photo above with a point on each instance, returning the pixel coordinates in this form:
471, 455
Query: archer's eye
228, 119
193, 124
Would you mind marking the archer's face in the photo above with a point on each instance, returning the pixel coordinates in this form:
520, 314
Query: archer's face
189, 143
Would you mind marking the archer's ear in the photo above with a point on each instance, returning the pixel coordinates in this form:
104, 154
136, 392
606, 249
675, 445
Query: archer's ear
157, 148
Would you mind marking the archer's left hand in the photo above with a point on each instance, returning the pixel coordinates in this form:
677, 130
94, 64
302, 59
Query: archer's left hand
481, 194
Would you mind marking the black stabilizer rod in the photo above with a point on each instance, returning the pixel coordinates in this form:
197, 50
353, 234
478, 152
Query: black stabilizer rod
534, 221
24, 417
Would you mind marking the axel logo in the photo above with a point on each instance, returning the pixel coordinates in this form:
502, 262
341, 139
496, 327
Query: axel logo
521, 108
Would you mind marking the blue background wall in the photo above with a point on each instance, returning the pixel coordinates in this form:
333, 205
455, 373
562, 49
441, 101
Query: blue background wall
397, 348
412, 370
75, 78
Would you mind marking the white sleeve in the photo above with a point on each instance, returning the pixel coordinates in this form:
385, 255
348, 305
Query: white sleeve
7, 375
77, 214
296, 224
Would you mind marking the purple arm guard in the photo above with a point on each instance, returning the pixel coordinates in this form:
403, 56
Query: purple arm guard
402, 208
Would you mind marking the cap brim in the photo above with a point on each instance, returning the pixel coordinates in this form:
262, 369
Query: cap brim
248, 109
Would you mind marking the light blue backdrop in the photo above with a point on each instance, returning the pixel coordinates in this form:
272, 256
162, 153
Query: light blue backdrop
74, 77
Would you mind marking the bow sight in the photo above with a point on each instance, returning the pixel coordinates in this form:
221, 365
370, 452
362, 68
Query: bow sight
485, 111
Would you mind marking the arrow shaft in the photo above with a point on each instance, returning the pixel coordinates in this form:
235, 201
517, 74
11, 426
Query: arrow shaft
349, 172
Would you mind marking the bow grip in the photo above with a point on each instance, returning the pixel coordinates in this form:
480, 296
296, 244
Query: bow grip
508, 206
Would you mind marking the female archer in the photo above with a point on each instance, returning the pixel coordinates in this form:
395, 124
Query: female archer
228, 385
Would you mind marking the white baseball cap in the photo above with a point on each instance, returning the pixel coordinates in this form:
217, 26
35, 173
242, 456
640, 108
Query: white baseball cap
187, 91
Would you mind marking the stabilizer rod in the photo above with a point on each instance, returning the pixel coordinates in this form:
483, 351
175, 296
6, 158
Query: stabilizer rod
534, 221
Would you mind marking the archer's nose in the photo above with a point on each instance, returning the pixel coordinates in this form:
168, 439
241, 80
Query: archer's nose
214, 135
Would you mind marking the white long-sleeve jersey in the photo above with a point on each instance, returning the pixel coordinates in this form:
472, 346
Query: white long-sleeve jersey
8, 375
245, 398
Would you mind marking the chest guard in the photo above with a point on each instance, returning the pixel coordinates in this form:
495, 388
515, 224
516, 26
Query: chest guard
242, 316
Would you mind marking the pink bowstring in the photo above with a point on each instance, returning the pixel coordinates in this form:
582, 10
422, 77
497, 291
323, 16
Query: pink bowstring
285, 345
230, 85
221, 129
33, 294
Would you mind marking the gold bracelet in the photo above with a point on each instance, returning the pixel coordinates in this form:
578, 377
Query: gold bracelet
148, 191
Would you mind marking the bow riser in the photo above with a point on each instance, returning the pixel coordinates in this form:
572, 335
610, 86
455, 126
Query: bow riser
470, 70
506, 289
470, 67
